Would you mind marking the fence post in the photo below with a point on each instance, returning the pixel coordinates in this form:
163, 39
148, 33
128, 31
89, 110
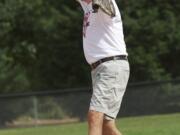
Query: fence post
35, 110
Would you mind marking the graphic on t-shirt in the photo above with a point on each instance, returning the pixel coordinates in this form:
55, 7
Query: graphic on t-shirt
86, 23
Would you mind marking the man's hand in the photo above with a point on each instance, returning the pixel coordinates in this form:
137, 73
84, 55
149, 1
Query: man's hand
106, 5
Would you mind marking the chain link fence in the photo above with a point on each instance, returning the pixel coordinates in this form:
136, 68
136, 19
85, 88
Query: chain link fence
71, 105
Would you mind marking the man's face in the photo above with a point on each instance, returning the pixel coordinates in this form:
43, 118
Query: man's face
87, 1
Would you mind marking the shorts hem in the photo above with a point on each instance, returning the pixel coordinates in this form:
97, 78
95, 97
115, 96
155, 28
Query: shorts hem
107, 116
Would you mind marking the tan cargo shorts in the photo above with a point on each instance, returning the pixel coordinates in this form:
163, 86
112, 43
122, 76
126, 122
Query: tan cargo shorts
109, 81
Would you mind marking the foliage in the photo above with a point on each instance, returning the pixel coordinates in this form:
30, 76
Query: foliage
40, 37
153, 38
42, 47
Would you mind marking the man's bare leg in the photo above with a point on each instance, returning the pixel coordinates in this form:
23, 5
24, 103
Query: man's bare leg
95, 122
109, 128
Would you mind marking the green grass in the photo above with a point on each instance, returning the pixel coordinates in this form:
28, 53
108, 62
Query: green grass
148, 125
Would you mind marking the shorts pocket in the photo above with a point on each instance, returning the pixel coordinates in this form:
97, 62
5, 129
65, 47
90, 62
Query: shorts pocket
106, 80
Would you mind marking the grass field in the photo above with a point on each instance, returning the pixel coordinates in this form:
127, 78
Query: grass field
148, 125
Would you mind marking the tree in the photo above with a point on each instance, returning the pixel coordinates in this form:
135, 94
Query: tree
43, 39
151, 31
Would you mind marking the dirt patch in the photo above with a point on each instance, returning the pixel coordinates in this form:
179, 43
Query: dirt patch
30, 123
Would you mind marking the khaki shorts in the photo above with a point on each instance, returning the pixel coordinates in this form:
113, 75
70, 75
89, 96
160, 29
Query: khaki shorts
109, 84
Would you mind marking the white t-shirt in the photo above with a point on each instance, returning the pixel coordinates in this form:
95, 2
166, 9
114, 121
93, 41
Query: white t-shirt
102, 34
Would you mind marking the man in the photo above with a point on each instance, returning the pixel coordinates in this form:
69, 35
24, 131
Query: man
105, 51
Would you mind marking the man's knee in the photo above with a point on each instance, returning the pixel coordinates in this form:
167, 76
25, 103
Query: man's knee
109, 124
95, 117
109, 128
